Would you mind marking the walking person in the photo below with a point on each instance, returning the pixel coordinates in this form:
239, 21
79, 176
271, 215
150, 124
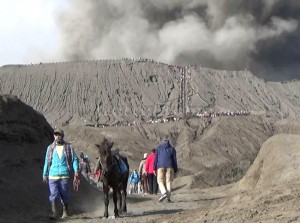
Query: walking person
134, 180
166, 165
84, 167
143, 174
81, 156
152, 179
60, 162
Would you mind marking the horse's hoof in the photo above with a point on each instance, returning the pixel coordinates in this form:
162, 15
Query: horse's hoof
117, 215
105, 216
111, 217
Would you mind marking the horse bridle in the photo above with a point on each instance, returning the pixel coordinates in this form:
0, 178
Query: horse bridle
114, 162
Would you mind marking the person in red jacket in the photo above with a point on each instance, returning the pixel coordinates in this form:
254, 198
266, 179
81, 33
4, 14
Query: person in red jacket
152, 179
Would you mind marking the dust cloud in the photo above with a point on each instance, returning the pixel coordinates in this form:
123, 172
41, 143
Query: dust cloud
261, 36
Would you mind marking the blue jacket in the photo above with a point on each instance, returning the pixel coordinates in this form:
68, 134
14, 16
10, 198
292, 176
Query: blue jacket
59, 167
134, 178
165, 157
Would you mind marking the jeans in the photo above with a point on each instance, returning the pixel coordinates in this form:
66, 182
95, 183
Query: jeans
59, 188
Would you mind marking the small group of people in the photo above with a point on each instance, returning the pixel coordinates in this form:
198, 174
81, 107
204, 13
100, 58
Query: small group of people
157, 170
62, 164
144, 180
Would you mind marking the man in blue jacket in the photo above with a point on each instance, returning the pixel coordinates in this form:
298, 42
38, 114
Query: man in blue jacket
60, 162
165, 164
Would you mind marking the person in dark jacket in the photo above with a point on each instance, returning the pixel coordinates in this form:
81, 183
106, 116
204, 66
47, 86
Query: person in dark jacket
165, 165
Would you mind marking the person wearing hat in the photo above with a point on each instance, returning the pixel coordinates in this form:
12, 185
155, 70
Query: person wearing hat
143, 174
60, 162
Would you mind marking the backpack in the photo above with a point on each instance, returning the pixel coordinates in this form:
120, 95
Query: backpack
68, 151
134, 177
121, 163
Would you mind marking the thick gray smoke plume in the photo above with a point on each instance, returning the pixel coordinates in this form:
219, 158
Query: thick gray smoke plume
260, 35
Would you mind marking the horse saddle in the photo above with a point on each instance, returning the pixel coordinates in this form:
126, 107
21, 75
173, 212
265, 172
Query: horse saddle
121, 163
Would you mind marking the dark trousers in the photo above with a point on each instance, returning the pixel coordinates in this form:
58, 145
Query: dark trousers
153, 186
145, 183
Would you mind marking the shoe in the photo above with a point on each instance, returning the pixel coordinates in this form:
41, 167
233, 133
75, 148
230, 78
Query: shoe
169, 201
164, 196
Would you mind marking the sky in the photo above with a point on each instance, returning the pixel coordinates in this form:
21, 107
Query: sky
29, 33
262, 36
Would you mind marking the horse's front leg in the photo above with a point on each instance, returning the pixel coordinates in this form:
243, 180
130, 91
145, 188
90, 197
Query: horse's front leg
106, 200
115, 199
119, 201
123, 197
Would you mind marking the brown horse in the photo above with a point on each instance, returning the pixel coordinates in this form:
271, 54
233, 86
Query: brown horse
114, 174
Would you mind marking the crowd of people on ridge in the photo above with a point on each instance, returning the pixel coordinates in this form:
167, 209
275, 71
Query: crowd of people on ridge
172, 118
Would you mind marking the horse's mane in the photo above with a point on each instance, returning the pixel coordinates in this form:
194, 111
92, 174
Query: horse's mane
105, 145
